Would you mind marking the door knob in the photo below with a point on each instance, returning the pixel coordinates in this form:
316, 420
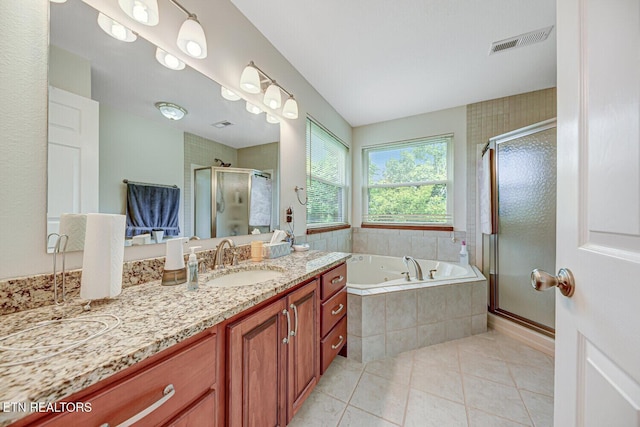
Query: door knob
541, 280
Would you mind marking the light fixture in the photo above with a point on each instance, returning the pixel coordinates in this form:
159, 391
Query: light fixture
115, 29
168, 60
143, 11
272, 119
272, 96
250, 79
170, 110
228, 94
191, 39
254, 109
254, 80
58, 1
290, 109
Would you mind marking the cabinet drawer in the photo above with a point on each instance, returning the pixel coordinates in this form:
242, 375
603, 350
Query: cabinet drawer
333, 343
333, 280
191, 372
333, 310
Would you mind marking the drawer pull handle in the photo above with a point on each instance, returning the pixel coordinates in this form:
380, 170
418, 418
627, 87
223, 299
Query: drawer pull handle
334, 346
167, 394
337, 279
285, 340
295, 311
334, 312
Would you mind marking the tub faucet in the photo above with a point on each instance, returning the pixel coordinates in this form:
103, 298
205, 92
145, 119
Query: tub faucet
410, 259
218, 257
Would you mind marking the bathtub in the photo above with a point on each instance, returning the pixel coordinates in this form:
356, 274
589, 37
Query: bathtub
388, 315
377, 271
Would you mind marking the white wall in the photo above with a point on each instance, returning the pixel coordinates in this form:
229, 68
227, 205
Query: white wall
137, 149
453, 120
233, 42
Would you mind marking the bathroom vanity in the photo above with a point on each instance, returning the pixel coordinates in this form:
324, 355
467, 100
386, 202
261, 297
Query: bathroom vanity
217, 356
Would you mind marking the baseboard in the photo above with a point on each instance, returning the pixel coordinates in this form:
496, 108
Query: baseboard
525, 335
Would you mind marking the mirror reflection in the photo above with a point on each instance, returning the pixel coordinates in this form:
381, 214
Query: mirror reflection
106, 127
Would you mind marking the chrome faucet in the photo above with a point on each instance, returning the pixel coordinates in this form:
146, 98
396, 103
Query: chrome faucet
218, 257
407, 260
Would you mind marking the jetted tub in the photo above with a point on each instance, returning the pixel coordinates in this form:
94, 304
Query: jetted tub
374, 271
388, 315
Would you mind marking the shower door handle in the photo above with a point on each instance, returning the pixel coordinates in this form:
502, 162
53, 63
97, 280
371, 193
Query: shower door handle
541, 280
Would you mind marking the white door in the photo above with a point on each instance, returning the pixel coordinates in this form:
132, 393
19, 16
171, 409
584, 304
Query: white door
72, 156
597, 379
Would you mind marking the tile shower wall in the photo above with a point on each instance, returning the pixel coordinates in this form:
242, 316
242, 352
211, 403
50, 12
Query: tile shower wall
435, 245
492, 118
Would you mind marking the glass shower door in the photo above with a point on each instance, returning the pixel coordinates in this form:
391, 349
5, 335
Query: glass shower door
526, 214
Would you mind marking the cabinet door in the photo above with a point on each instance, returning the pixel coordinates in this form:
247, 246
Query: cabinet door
257, 363
303, 357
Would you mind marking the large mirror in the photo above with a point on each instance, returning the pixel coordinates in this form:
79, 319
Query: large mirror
105, 91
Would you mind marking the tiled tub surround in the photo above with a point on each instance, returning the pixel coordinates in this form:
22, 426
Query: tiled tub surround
25, 293
385, 321
153, 318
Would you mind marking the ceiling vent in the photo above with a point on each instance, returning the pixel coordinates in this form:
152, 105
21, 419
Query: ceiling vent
222, 124
521, 40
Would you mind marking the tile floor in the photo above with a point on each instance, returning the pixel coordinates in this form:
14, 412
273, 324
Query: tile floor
487, 380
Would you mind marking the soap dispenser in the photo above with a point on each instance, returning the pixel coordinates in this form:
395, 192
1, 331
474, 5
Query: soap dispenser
192, 267
464, 255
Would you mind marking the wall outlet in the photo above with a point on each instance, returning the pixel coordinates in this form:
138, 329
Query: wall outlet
289, 214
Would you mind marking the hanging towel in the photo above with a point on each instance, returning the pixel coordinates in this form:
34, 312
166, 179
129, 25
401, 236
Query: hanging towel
260, 208
151, 208
485, 195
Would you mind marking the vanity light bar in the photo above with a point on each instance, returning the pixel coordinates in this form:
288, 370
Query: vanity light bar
253, 79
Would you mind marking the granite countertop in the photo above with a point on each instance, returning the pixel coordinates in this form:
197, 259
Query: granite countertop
152, 318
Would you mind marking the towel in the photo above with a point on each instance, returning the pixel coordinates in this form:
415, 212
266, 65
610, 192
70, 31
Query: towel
260, 208
485, 195
151, 208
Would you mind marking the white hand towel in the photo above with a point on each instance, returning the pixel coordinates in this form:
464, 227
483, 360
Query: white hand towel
103, 256
74, 226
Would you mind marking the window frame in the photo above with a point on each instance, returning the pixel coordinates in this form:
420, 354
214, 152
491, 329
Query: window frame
313, 228
447, 225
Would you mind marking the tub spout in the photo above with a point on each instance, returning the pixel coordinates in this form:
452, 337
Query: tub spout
409, 259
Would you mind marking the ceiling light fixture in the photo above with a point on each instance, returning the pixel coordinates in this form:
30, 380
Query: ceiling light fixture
143, 11
116, 29
228, 94
170, 110
272, 119
191, 38
58, 1
254, 80
168, 60
254, 109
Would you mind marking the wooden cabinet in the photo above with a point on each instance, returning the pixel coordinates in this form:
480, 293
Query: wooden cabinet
177, 384
273, 360
333, 314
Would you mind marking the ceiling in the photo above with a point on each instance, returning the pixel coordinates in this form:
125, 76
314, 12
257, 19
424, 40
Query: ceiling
127, 76
377, 60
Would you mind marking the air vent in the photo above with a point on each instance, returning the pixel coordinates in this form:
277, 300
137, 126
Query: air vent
521, 40
222, 124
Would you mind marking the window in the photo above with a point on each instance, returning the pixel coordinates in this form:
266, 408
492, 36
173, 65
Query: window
409, 182
327, 178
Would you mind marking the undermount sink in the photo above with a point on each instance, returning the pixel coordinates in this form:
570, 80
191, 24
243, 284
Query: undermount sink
245, 277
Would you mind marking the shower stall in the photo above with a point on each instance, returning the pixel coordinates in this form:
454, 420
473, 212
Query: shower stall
523, 223
232, 202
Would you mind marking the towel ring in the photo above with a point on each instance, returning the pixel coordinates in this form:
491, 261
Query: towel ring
306, 198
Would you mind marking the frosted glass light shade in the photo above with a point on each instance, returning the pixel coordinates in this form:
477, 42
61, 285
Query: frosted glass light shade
254, 109
272, 119
143, 11
168, 60
191, 38
229, 94
57, 1
290, 109
272, 97
250, 80
171, 111
115, 29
